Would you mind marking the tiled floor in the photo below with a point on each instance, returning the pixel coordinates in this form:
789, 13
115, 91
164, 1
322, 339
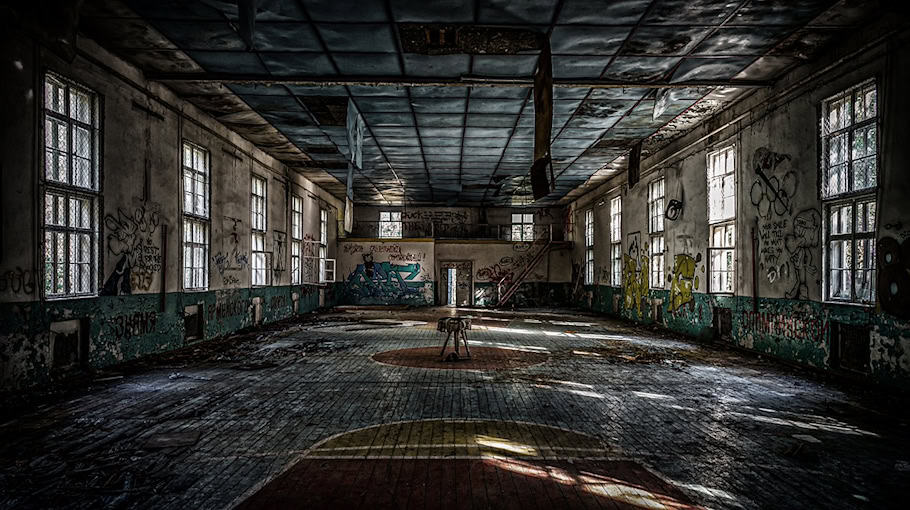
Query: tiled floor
615, 417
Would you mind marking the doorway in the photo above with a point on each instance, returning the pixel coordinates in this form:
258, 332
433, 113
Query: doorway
451, 286
456, 285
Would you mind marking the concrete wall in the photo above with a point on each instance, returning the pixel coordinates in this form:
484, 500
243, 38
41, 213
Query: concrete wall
140, 307
785, 315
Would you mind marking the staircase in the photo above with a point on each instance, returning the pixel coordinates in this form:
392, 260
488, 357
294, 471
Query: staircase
505, 296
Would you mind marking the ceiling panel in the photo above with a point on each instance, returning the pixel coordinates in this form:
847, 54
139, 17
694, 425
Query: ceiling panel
464, 136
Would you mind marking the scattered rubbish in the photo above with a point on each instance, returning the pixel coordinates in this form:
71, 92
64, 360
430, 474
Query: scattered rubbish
172, 439
807, 438
175, 375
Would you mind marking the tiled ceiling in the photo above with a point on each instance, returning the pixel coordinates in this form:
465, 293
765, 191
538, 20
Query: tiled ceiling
465, 145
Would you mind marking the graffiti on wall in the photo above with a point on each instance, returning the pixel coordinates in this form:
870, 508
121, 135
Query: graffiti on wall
801, 244
787, 241
231, 260
772, 193
635, 274
441, 216
127, 326
228, 304
772, 258
394, 251
791, 325
384, 280
683, 281
279, 265
131, 237
17, 281
507, 268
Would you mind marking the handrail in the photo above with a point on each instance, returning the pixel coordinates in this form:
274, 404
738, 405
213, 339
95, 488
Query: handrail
423, 229
524, 273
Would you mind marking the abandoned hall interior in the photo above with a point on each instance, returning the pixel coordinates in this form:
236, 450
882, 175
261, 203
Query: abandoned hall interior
454, 254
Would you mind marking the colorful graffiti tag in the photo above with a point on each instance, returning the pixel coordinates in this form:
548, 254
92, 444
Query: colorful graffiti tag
683, 282
635, 274
383, 280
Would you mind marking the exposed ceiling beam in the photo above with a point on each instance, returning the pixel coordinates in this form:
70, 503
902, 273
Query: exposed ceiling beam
464, 81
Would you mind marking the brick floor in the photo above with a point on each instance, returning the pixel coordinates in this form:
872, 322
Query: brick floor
615, 417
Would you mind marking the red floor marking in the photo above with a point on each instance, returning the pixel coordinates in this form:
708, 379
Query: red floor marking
482, 358
380, 484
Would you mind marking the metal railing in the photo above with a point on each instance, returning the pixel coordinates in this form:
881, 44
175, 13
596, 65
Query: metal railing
426, 229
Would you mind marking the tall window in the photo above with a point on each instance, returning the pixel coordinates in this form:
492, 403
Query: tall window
522, 227
323, 241
195, 217
390, 224
71, 188
849, 131
589, 247
656, 230
721, 219
616, 240
296, 238
259, 263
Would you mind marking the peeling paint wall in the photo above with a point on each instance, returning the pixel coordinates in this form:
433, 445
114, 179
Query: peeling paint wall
140, 307
775, 139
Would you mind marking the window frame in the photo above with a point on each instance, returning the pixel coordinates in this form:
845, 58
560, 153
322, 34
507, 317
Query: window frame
296, 222
712, 248
193, 217
731, 150
721, 221
853, 236
850, 130
323, 241
93, 194
616, 241
525, 226
259, 234
656, 225
589, 246
851, 196
396, 225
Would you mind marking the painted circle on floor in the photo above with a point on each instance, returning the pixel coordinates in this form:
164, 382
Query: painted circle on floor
482, 358
464, 464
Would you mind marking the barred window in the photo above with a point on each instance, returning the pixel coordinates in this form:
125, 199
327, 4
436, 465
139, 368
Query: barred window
721, 175
196, 186
656, 205
195, 253
721, 257
71, 188
589, 244
721, 185
616, 241
522, 227
850, 141
849, 132
296, 237
259, 261
323, 241
390, 224
656, 228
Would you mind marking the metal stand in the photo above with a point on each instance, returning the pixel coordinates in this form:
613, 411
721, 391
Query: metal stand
454, 328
